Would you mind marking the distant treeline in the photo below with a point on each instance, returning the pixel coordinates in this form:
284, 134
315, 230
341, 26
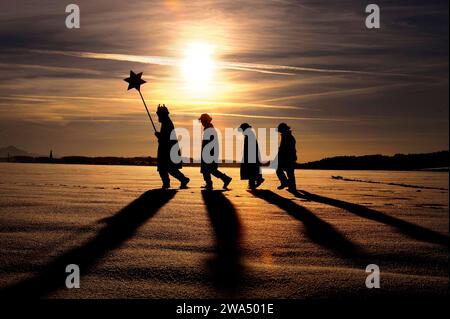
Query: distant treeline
84, 160
435, 161
104, 160
381, 162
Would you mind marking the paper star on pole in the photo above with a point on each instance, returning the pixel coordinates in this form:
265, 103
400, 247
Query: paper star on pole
134, 81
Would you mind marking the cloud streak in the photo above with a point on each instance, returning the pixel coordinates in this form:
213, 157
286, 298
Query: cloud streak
199, 104
268, 117
240, 66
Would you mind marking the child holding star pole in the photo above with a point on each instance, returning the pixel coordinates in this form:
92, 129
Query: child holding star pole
165, 163
134, 82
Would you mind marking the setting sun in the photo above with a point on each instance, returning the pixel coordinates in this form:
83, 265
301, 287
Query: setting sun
198, 65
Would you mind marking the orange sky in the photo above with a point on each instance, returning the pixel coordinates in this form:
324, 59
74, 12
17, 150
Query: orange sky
343, 89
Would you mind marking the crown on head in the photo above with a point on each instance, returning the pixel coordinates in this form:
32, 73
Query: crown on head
162, 109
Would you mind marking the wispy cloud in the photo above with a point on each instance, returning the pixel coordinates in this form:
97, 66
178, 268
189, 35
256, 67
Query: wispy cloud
241, 66
62, 69
200, 104
268, 117
335, 93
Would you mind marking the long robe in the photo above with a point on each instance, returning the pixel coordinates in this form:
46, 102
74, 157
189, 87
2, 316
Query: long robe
250, 164
165, 145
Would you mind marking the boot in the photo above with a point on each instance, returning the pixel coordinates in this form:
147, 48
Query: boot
226, 181
184, 183
259, 182
208, 186
283, 186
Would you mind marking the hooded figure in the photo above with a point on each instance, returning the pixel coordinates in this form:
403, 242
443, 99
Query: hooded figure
287, 158
250, 164
210, 154
166, 163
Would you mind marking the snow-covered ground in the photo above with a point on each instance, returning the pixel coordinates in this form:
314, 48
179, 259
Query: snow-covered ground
132, 241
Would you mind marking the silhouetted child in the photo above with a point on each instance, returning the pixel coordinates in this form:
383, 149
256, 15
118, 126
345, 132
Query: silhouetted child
167, 165
250, 164
210, 154
287, 158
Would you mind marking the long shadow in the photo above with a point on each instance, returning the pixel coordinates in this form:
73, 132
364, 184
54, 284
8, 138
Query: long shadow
117, 230
226, 266
409, 229
316, 229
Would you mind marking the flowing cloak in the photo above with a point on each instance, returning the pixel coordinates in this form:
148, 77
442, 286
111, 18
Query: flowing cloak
287, 153
165, 145
211, 140
250, 165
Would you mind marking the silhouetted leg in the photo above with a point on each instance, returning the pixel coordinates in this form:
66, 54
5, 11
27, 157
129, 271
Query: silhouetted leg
218, 174
291, 179
259, 181
226, 179
164, 177
251, 183
208, 181
283, 179
175, 172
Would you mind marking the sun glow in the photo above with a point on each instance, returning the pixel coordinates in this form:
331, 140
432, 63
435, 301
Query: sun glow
198, 66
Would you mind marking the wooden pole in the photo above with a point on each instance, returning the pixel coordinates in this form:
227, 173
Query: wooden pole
148, 113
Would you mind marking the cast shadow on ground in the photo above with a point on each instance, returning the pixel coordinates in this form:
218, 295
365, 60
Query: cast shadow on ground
413, 231
317, 230
118, 229
226, 266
